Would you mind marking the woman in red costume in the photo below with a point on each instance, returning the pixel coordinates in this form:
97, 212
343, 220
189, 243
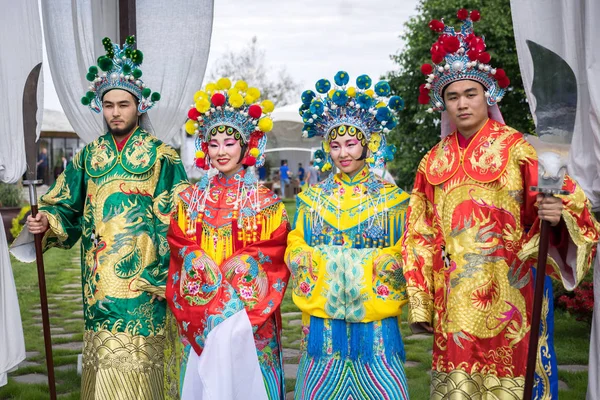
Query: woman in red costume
227, 276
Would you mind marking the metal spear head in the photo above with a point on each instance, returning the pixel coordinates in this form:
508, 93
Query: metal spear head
30, 108
555, 90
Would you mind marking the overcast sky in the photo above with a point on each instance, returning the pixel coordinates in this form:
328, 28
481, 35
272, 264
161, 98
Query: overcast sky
312, 39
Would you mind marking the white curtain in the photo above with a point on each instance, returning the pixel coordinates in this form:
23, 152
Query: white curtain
571, 29
21, 51
174, 37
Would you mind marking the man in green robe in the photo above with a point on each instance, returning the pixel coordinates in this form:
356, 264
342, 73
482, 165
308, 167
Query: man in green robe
117, 196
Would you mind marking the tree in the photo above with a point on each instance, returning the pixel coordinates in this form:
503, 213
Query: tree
418, 130
249, 65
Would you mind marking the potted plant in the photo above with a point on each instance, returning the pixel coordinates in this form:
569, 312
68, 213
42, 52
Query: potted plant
11, 201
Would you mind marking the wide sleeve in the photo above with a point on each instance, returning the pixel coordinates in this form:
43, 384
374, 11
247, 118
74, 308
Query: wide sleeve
172, 179
64, 205
197, 294
573, 241
357, 285
258, 272
422, 249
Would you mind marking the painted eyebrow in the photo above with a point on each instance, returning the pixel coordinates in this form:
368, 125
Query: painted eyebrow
122, 102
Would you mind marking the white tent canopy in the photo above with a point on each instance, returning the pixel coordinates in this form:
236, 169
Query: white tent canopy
56, 121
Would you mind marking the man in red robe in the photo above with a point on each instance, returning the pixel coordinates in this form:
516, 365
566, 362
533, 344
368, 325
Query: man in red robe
472, 233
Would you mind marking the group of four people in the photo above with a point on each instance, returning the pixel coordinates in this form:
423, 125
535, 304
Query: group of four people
460, 249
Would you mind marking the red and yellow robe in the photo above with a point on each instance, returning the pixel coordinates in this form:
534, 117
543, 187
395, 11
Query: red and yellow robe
470, 252
218, 269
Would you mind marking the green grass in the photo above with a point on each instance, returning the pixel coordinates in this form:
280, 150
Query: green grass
290, 207
60, 270
571, 336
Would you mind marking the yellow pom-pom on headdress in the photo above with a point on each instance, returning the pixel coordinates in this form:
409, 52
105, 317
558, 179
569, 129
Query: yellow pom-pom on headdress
254, 92
236, 100
254, 152
203, 105
267, 106
265, 124
241, 86
210, 88
200, 94
190, 126
223, 84
200, 154
252, 95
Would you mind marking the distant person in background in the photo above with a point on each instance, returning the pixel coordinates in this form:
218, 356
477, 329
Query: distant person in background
42, 164
301, 173
312, 176
284, 176
262, 173
60, 167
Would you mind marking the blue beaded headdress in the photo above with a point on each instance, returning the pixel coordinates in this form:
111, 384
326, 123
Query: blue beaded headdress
235, 110
118, 69
362, 111
459, 56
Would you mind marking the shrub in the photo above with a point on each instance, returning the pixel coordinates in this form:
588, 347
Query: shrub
10, 195
580, 302
18, 222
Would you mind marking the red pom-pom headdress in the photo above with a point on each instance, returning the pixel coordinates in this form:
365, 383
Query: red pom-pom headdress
459, 56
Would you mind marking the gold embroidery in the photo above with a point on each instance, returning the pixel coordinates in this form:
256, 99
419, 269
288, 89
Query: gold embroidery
122, 366
442, 160
489, 157
139, 153
101, 154
458, 384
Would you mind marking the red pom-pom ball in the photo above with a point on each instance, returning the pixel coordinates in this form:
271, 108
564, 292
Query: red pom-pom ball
249, 161
426, 69
475, 15
423, 98
218, 99
484, 57
472, 54
200, 162
500, 74
255, 111
193, 113
436, 26
451, 44
423, 89
504, 82
462, 14
437, 57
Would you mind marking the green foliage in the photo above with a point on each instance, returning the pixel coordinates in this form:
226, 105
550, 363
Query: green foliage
10, 195
17, 226
418, 130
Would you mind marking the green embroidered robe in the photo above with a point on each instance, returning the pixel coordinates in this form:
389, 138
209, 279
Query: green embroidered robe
119, 204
